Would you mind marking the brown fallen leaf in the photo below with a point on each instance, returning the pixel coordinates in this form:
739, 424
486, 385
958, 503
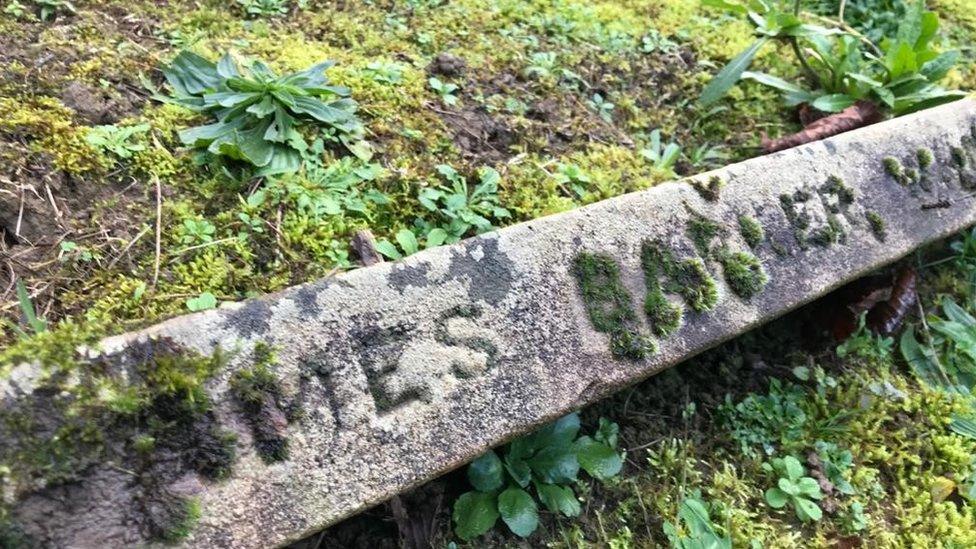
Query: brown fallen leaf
887, 316
885, 299
862, 113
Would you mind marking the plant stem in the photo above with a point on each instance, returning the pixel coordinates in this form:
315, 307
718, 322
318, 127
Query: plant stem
795, 44
848, 29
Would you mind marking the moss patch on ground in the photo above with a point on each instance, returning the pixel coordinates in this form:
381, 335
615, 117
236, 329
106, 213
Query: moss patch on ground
545, 89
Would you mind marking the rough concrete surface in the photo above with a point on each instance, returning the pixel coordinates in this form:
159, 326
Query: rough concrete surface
407, 370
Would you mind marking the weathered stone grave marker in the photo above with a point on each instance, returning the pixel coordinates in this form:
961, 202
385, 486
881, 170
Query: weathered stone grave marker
343, 392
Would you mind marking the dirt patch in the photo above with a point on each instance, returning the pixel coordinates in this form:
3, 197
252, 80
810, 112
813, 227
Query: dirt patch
446, 64
94, 106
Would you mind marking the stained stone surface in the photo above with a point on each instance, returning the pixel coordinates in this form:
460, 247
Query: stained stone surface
406, 370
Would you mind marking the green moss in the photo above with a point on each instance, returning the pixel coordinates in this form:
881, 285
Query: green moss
877, 224
828, 235
751, 230
179, 520
49, 128
688, 278
836, 186
91, 414
924, 157
663, 316
12, 535
959, 157
893, 167
55, 349
609, 305
258, 391
744, 273
799, 220
702, 230
709, 189
692, 281
632, 344
911, 175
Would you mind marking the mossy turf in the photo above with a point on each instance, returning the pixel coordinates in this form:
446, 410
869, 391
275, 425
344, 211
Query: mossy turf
545, 88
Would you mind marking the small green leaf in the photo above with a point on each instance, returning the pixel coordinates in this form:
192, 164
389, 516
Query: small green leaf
27, 307
519, 511
726, 5
773, 81
776, 498
555, 464
558, 499
519, 470
607, 433
809, 487
474, 514
598, 459
794, 470
562, 432
486, 473
407, 241
788, 487
728, 76
833, 103
387, 248
202, 302
806, 510
436, 237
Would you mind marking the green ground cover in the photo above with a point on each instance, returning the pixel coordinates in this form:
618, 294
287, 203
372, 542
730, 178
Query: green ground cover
561, 103
468, 116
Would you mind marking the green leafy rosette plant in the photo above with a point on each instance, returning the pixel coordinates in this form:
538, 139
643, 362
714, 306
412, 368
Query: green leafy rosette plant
259, 114
548, 462
794, 489
840, 65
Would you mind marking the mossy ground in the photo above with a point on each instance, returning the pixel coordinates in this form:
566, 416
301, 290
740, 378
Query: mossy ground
526, 107
535, 86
